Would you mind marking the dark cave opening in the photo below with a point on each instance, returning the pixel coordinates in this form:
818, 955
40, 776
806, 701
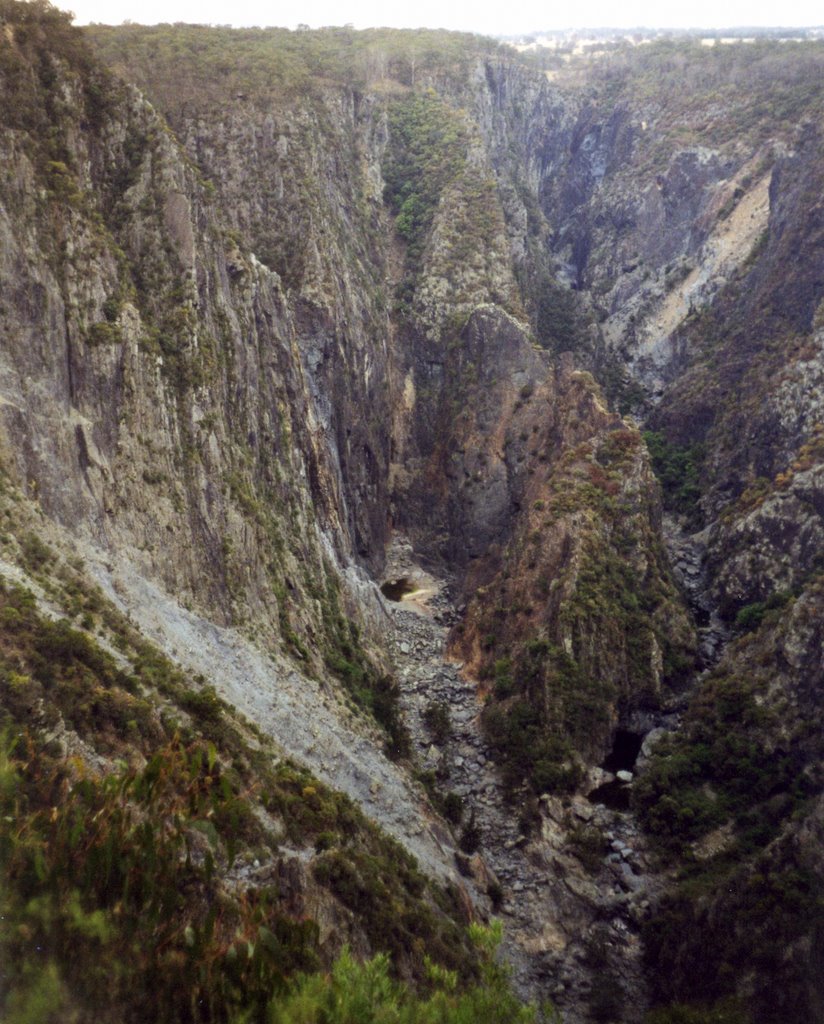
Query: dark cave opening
626, 746
396, 589
625, 750
614, 795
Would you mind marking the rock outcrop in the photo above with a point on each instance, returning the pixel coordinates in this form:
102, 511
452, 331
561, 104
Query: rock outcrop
271, 301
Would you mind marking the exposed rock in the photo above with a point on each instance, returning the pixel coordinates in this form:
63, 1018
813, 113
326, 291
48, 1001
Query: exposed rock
252, 389
549, 904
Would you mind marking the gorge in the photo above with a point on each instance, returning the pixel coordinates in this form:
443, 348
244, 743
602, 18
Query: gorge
412, 517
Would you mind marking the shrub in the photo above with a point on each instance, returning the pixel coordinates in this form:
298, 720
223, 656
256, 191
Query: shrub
589, 844
105, 884
365, 993
678, 468
104, 333
36, 554
470, 839
436, 717
751, 615
453, 808
204, 705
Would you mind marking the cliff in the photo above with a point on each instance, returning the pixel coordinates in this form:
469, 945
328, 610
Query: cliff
278, 306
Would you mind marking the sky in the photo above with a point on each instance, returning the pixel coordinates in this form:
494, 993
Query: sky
520, 16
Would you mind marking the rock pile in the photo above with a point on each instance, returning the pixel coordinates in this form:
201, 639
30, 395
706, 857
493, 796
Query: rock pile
570, 881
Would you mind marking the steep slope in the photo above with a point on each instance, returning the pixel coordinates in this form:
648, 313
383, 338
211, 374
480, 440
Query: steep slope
307, 293
734, 800
464, 438
760, 496
161, 855
154, 395
726, 342
152, 398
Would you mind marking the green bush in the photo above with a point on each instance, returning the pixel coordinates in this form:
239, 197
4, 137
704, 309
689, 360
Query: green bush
204, 705
678, 468
751, 616
729, 1011
36, 554
104, 333
126, 919
532, 752
365, 993
436, 718
590, 846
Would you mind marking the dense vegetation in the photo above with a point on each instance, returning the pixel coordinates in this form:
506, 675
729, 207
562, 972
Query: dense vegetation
144, 826
141, 835
592, 629
356, 993
561, 325
677, 467
428, 142
274, 63
756, 90
720, 799
42, 33
113, 906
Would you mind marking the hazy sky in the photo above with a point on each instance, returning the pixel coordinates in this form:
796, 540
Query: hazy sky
494, 18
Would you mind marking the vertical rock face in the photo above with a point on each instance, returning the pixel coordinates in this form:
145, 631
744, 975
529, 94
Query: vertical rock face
255, 321
761, 342
298, 185
161, 395
572, 611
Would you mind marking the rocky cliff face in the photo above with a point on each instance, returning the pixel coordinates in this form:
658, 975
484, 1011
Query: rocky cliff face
270, 300
139, 342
